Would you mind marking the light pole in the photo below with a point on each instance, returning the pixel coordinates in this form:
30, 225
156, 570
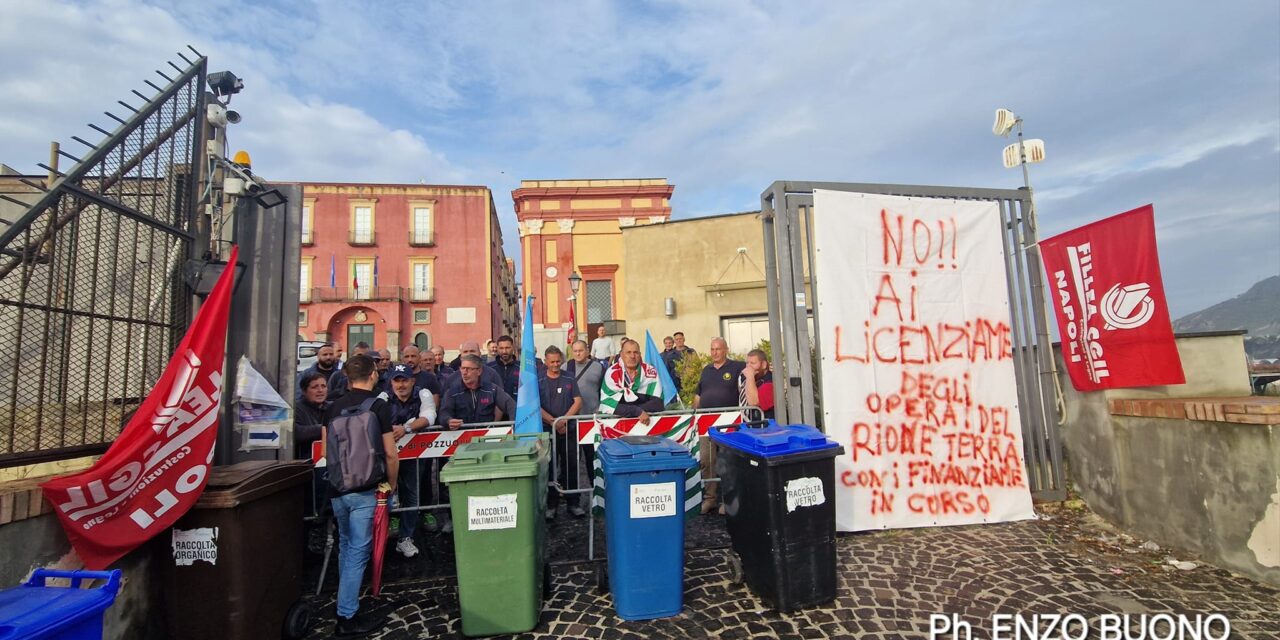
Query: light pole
1022, 153
575, 282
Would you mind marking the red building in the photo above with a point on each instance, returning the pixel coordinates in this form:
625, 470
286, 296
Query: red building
398, 264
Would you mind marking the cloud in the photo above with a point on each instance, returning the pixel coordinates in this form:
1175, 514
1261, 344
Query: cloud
722, 97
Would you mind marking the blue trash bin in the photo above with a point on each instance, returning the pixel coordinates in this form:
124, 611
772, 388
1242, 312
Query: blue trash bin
35, 611
644, 524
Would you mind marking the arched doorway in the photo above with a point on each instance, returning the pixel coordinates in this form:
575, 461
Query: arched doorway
422, 340
354, 325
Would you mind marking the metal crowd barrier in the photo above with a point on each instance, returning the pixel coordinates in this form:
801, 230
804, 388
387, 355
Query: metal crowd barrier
435, 444
585, 430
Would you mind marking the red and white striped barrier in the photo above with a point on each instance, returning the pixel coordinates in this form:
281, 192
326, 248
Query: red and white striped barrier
658, 425
432, 444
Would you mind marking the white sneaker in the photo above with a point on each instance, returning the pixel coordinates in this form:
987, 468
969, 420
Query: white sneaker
407, 548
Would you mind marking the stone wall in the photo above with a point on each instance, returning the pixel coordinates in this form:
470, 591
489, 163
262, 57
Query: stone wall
1185, 470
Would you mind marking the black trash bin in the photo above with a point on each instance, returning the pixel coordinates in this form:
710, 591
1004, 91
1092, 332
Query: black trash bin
778, 487
232, 567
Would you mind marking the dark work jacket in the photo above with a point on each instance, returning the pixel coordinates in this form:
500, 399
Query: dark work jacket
509, 374
472, 406
308, 421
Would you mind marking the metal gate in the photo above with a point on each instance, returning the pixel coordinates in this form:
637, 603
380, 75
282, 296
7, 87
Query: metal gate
786, 210
92, 300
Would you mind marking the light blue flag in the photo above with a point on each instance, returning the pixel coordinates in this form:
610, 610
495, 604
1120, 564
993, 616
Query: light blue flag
654, 357
528, 401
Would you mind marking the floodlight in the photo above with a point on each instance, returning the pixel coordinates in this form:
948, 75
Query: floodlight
1005, 120
224, 83
1033, 148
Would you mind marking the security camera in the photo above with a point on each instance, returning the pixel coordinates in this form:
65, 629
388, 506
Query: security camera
224, 83
220, 116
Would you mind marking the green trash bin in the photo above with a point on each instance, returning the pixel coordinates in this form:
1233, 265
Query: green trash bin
497, 495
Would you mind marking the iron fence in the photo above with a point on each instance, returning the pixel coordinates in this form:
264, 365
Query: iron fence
92, 301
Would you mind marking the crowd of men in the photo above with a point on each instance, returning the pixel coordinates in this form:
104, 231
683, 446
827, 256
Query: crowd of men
422, 392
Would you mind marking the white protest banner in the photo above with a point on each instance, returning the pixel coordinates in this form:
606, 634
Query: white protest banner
917, 371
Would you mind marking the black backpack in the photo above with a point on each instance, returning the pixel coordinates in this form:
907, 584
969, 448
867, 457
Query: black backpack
354, 452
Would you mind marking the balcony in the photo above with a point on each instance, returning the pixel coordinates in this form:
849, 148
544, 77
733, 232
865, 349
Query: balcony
422, 295
362, 238
362, 294
308, 237
418, 238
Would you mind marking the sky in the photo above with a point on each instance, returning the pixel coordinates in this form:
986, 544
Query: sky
1174, 103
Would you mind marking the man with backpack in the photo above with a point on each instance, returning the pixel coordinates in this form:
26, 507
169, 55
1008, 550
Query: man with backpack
360, 452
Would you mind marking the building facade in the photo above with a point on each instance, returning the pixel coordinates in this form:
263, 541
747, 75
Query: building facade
708, 280
575, 226
399, 264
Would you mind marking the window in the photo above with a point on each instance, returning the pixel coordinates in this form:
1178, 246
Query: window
599, 301
307, 225
304, 282
422, 341
422, 316
362, 282
421, 282
362, 224
302, 318
420, 235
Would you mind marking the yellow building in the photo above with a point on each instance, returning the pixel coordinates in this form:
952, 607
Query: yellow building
703, 276
576, 226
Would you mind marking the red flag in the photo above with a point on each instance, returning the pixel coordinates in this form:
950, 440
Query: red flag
1104, 279
381, 524
158, 467
573, 325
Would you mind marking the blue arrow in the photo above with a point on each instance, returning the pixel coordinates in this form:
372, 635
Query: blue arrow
264, 435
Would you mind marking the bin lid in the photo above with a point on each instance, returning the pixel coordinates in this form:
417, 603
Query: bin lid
642, 453
231, 485
776, 440
495, 458
27, 611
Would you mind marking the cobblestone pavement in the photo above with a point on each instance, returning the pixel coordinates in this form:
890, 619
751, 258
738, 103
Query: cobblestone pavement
890, 584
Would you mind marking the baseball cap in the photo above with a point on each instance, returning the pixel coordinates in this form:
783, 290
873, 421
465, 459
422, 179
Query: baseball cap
401, 371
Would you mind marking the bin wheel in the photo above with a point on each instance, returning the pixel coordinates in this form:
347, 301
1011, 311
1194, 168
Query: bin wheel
297, 622
735, 568
546, 581
602, 579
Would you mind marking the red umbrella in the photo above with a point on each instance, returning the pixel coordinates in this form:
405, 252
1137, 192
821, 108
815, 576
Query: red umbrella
381, 523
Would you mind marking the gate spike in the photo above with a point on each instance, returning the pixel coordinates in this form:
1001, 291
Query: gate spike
176, 67
69, 156
31, 184
193, 50
51, 169
98, 129
184, 58
126, 105
15, 201
153, 86
114, 117
163, 75
144, 98
83, 142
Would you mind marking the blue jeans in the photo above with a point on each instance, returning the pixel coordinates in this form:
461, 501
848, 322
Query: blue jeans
409, 491
354, 515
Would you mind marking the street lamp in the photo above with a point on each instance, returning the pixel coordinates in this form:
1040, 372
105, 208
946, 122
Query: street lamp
575, 282
1021, 153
